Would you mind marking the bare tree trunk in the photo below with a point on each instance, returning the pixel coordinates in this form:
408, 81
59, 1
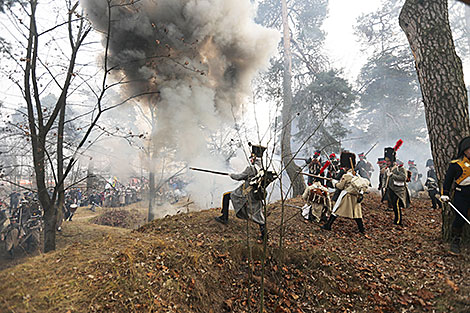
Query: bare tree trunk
297, 181
440, 75
151, 216
60, 190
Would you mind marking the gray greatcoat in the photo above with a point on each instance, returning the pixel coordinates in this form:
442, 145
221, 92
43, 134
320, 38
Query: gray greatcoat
397, 184
246, 207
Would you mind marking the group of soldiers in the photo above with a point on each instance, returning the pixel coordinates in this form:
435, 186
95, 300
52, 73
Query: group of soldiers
350, 181
21, 222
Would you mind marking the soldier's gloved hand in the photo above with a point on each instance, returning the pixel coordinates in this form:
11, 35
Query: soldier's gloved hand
445, 198
389, 172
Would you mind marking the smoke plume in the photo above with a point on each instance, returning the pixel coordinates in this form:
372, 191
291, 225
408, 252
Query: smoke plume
196, 57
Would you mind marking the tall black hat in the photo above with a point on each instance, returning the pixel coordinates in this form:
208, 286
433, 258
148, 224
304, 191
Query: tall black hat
347, 159
429, 163
464, 144
390, 154
257, 150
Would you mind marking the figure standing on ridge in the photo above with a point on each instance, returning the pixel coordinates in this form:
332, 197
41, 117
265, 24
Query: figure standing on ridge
458, 172
245, 201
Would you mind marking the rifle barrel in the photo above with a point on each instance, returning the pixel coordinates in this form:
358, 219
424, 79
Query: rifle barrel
315, 176
208, 171
371, 148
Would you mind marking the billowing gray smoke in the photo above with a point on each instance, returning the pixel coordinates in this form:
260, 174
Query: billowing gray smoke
198, 55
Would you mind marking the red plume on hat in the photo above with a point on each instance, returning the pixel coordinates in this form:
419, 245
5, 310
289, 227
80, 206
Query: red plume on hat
327, 163
398, 145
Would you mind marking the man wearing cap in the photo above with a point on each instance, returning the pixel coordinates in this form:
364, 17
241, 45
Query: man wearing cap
431, 184
333, 167
363, 167
245, 204
314, 167
415, 182
396, 190
458, 172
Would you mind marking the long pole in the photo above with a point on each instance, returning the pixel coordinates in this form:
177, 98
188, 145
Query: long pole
208, 171
315, 176
371, 149
452, 206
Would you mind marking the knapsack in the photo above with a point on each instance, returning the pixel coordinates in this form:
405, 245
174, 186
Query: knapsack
360, 184
260, 181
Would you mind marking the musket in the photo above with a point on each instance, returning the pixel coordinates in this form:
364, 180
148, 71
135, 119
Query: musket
315, 176
208, 171
371, 149
455, 209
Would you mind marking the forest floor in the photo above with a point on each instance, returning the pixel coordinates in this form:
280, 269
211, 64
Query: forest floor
190, 263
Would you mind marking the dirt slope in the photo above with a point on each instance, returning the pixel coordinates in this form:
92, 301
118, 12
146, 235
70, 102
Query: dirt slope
190, 263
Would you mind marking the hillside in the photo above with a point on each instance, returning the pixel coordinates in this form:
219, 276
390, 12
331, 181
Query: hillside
190, 263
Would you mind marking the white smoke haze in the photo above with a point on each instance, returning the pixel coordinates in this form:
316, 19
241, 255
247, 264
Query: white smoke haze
419, 152
198, 59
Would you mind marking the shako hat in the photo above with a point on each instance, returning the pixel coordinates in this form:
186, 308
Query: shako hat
390, 154
347, 159
464, 144
257, 150
429, 163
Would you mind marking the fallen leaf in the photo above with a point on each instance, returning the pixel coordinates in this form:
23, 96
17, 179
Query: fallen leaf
452, 285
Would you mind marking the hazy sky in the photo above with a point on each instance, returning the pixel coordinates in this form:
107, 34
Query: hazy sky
340, 40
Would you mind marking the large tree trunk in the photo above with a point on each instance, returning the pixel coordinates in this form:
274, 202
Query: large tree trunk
50, 212
60, 190
297, 181
440, 75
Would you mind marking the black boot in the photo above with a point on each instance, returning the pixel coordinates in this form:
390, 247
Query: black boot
222, 219
455, 243
262, 229
360, 225
455, 246
327, 226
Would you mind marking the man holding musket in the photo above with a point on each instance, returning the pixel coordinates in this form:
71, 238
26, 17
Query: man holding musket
245, 200
458, 171
351, 189
396, 190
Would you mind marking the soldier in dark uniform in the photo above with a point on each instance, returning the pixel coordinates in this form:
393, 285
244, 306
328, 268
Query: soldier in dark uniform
364, 168
431, 184
333, 167
458, 172
396, 190
415, 184
314, 165
382, 165
14, 200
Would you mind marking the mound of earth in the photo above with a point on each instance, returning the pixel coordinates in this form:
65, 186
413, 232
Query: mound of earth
118, 217
191, 263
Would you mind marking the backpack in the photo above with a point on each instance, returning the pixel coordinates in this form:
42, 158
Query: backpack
259, 182
360, 184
